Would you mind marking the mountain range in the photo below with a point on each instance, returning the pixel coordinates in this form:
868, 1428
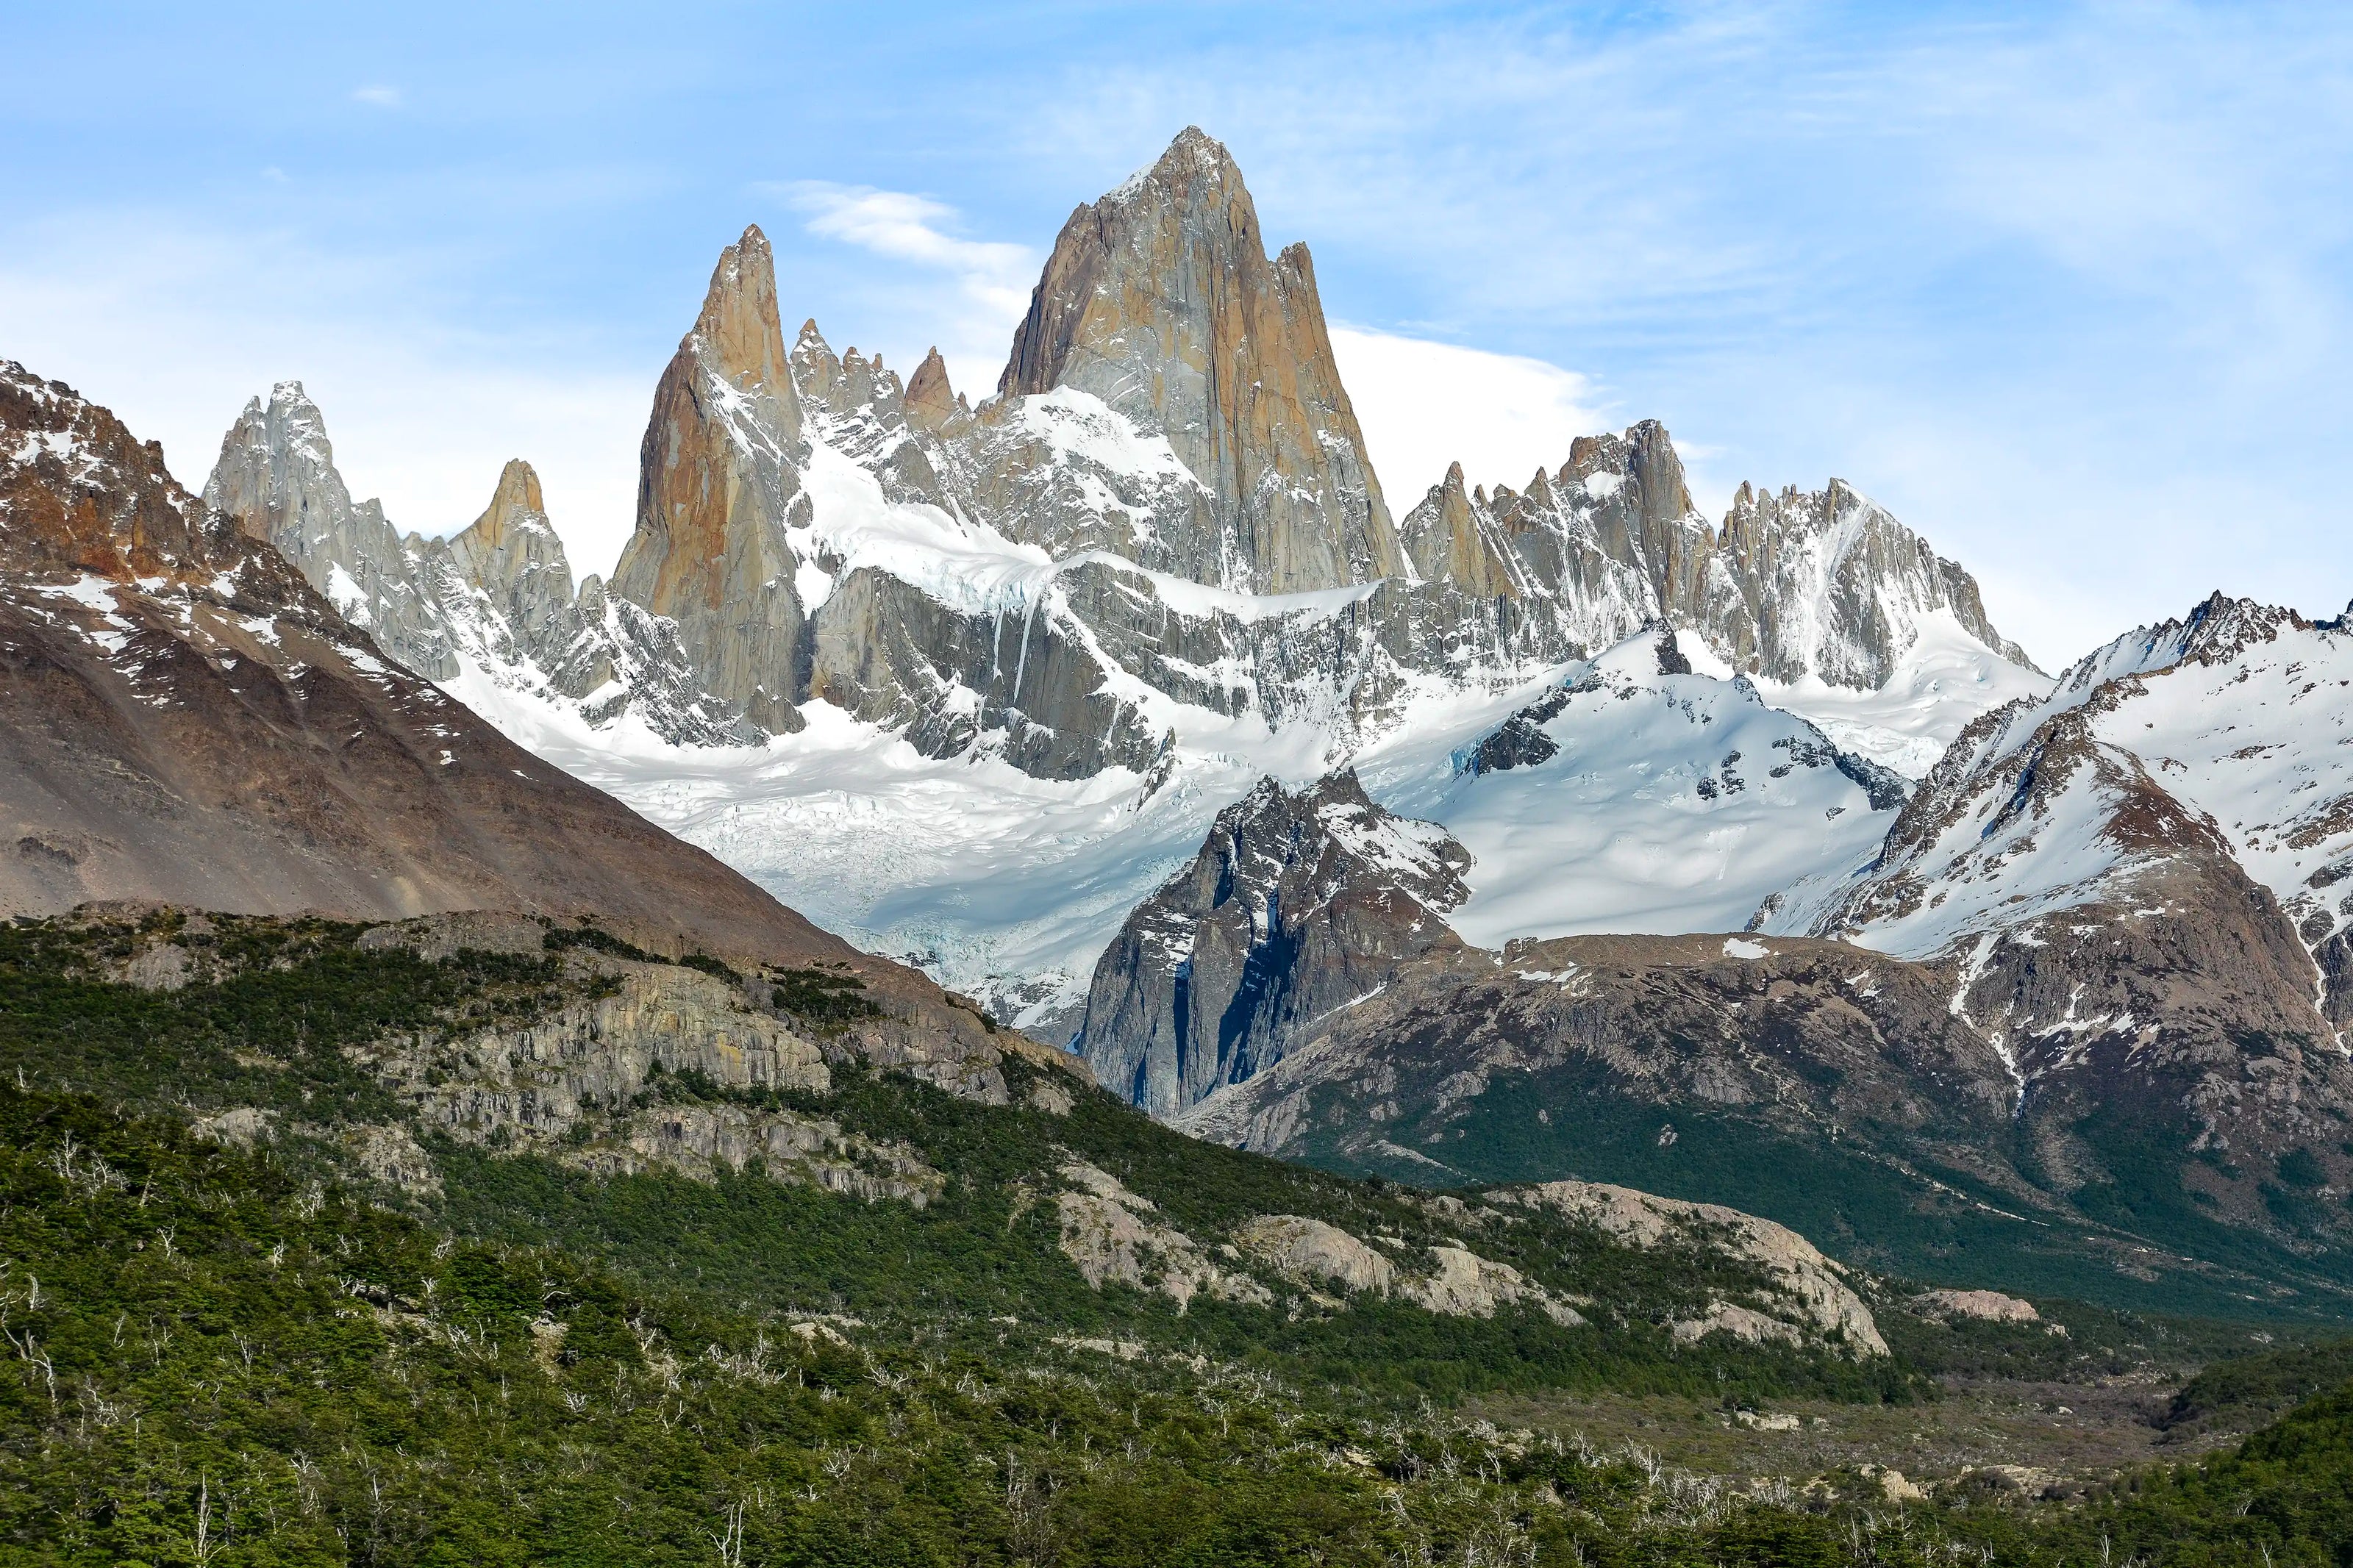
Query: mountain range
1530, 832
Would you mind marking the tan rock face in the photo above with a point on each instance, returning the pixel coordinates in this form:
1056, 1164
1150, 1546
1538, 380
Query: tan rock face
719, 483
1810, 1294
513, 542
931, 403
1461, 1284
537, 1082
1988, 1305
1108, 1231
1451, 540
703, 1140
1159, 299
1309, 1252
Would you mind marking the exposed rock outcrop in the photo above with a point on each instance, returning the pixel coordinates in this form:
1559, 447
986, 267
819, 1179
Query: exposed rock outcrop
1461, 1284
538, 1081
1985, 1306
1309, 1252
1809, 1291
1109, 1232
1299, 904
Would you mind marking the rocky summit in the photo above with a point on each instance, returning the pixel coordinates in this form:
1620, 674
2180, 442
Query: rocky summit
1159, 301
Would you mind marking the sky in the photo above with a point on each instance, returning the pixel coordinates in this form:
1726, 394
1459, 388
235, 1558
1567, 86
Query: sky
2065, 287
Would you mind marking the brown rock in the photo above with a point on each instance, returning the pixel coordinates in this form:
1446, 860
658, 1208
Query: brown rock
719, 484
929, 403
1160, 301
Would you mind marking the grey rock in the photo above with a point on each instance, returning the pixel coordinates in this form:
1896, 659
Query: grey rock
277, 475
1299, 904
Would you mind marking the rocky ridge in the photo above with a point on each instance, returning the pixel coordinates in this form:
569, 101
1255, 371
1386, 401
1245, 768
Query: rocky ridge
2092, 969
1156, 561
1164, 520
491, 609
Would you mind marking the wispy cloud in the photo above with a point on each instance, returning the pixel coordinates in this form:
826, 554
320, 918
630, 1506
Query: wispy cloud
2024, 274
992, 278
2069, 287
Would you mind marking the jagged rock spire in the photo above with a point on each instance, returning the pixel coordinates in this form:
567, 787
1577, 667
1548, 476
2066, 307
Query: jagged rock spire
1447, 537
931, 403
719, 483
513, 553
277, 475
1160, 301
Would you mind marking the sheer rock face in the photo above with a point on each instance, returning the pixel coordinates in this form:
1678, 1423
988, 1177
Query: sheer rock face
1160, 302
931, 403
1171, 403
1822, 582
512, 554
277, 475
1298, 904
1829, 583
719, 486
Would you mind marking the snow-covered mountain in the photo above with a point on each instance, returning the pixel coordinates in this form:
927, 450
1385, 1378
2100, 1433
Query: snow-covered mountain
2148, 858
967, 682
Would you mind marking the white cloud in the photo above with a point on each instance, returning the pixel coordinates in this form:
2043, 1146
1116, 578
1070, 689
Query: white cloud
1424, 404
379, 97
992, 278
173, 328
910, 228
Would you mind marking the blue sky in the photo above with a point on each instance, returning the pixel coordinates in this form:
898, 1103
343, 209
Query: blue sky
2065, 287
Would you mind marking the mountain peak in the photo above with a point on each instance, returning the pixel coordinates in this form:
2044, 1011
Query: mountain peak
931, 402
514, 541
739, 325
718, 479
1192, 155
516, 507
1159, 301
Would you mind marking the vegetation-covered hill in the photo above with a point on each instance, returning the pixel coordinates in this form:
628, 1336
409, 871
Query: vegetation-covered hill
270, 1299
